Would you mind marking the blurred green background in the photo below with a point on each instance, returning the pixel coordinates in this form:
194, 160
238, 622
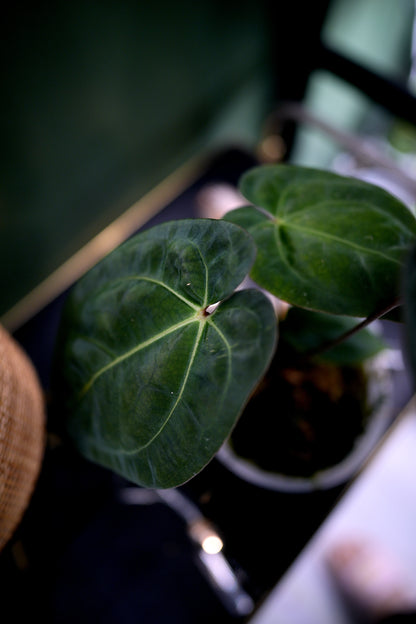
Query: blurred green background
102, 100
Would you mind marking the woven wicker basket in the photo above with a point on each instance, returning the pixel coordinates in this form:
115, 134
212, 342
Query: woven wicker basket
22, 433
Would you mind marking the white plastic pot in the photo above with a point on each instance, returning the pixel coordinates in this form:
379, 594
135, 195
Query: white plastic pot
379, 397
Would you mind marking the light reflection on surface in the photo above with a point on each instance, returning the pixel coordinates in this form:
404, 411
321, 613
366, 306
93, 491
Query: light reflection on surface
212, 544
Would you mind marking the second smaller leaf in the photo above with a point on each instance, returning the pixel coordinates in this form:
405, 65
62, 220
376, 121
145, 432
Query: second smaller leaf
325, 242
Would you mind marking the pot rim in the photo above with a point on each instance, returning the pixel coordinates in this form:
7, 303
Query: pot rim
380, 387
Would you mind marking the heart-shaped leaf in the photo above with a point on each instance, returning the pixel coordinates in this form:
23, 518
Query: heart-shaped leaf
325, 242
154, 382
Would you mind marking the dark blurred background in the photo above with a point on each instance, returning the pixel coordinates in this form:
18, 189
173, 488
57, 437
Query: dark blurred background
101, 101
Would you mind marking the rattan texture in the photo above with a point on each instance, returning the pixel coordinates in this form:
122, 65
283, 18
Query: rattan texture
22, 433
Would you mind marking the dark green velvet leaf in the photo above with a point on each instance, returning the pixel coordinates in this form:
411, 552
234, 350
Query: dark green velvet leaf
153, 383
325, 242
307, 331
409, 313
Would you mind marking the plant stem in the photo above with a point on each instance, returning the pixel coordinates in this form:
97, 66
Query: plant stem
367, 321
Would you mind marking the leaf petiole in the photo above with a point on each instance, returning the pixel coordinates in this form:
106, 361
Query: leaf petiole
364, 323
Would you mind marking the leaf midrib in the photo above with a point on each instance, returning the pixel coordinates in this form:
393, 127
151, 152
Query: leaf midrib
133, 351
278, 223
202, 324
157, 337
151, 280
180, 393
343, 241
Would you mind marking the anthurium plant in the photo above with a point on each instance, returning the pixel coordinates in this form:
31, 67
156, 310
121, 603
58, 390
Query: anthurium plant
160, 348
